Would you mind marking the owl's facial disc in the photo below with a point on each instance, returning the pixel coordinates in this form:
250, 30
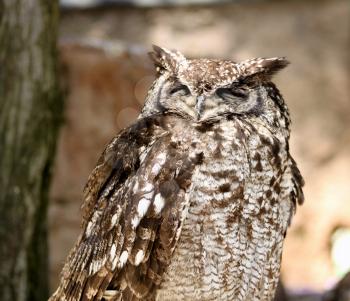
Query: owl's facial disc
234, 99
237, 98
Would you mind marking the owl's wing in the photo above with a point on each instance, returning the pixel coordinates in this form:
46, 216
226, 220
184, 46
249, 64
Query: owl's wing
294, 186
296, 193
134, 209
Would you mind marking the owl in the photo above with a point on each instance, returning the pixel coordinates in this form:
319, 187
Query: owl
193, 200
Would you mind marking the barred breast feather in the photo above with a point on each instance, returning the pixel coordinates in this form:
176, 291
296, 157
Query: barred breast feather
242, 198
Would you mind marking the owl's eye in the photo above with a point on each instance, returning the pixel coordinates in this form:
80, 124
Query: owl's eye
180, 89
233, 92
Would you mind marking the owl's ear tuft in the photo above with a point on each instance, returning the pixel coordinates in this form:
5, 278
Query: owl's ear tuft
273, 65
264, 68
165, 59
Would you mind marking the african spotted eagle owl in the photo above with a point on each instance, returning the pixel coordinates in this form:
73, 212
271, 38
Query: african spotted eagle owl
192, 201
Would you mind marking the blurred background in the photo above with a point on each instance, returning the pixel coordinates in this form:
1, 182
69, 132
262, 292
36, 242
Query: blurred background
105, 73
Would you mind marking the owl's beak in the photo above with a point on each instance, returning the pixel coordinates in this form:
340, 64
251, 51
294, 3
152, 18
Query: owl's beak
199, 105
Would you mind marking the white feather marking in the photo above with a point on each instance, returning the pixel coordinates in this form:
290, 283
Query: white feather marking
158, 203
123, 258
112, 252
143, 207
114, 219
148, 187
161, 157
139, 257
96, 265
114, 262
136, 187
89, 228
110, 294
156, 169
135, 221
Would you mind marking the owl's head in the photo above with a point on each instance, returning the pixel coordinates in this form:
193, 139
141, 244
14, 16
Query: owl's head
207, 89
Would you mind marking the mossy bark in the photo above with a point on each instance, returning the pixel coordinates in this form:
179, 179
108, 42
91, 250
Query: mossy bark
30, 113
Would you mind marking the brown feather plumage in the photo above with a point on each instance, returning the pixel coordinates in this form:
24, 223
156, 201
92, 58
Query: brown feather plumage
192, 201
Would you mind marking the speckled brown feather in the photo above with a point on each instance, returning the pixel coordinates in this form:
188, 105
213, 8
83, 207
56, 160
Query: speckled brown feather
191, 203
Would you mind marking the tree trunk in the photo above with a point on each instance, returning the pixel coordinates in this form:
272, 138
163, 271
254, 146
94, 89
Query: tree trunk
30, 112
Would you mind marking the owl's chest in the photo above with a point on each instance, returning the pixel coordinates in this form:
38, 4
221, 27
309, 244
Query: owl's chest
226, 237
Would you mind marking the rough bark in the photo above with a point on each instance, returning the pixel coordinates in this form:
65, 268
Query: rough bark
30, 112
